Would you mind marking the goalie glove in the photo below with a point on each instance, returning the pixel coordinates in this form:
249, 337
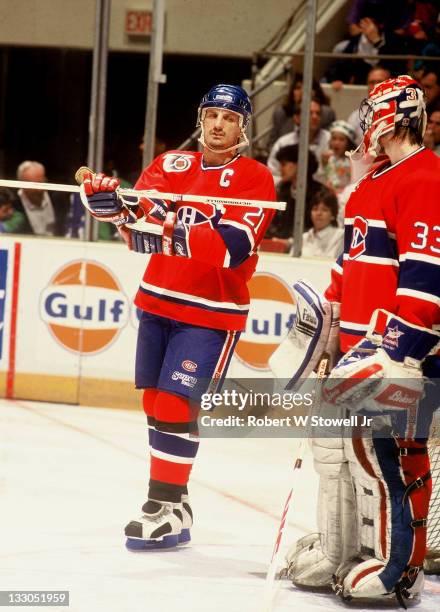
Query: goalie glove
383, 372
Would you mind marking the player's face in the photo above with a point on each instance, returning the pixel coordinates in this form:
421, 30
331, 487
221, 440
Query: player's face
338, 143
321, 215
221, 128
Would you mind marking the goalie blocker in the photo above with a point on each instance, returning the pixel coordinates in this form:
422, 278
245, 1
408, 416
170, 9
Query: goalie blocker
312, 336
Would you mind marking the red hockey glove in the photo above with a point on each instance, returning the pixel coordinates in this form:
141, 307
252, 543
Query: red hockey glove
99, 196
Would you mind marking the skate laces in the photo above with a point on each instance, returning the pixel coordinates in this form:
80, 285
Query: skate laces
156, 517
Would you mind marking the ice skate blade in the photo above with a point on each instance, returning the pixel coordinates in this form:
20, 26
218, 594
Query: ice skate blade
184, 537
170, 541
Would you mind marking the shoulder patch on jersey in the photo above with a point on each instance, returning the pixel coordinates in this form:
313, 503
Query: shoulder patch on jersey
174, 162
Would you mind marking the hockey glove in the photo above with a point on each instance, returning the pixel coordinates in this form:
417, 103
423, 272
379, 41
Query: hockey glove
383, 372
98, 194
170, 238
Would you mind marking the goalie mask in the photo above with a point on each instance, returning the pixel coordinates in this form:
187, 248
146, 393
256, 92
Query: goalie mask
394, 103
228, 97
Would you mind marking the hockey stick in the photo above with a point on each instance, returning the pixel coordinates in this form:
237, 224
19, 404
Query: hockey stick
269, 590
172, 197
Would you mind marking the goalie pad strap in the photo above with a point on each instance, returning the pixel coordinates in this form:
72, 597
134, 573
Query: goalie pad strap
416, 484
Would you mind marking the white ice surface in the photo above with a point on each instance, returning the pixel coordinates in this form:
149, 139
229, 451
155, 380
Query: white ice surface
72, 477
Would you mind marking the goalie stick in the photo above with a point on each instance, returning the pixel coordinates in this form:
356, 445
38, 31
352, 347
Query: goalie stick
269, 588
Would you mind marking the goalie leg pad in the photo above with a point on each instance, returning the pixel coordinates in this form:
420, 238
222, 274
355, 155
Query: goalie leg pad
313, 559
392, 484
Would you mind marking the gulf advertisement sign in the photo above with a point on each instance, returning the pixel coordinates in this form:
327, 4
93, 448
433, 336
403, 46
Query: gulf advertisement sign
84, 307
271, 313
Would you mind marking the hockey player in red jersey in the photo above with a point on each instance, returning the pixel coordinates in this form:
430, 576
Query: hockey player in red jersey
375, 489
193, 296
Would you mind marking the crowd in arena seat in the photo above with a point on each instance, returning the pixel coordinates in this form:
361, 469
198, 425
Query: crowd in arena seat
37, 212
32, 211
375, 27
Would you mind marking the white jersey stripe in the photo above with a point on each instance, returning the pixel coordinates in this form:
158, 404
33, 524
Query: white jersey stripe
420, 295
337, 268
355, 326
193, 298
420, 257
371, 222
379, 261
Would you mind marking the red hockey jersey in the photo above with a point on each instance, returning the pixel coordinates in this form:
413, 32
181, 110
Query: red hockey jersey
391, 255
209, 288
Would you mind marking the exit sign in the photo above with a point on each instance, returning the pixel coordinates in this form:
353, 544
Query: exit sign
138, 23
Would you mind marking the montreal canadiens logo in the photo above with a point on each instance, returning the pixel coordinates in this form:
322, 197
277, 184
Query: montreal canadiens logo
173, 162
195, 216
84, 307
271, 313
358, 240
189, 366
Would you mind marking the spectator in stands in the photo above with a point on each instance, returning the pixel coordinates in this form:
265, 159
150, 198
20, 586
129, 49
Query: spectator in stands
283, 115
430, 82
394, 14
44, 214
282, 224
374, 37
432, 135
319, 138
335, 168
375, 76
11, 221
324, 238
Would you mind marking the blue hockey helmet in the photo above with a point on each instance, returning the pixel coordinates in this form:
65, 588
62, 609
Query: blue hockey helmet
231, 97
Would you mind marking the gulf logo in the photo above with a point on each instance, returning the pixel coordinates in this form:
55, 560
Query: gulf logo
272, 311
84, 307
